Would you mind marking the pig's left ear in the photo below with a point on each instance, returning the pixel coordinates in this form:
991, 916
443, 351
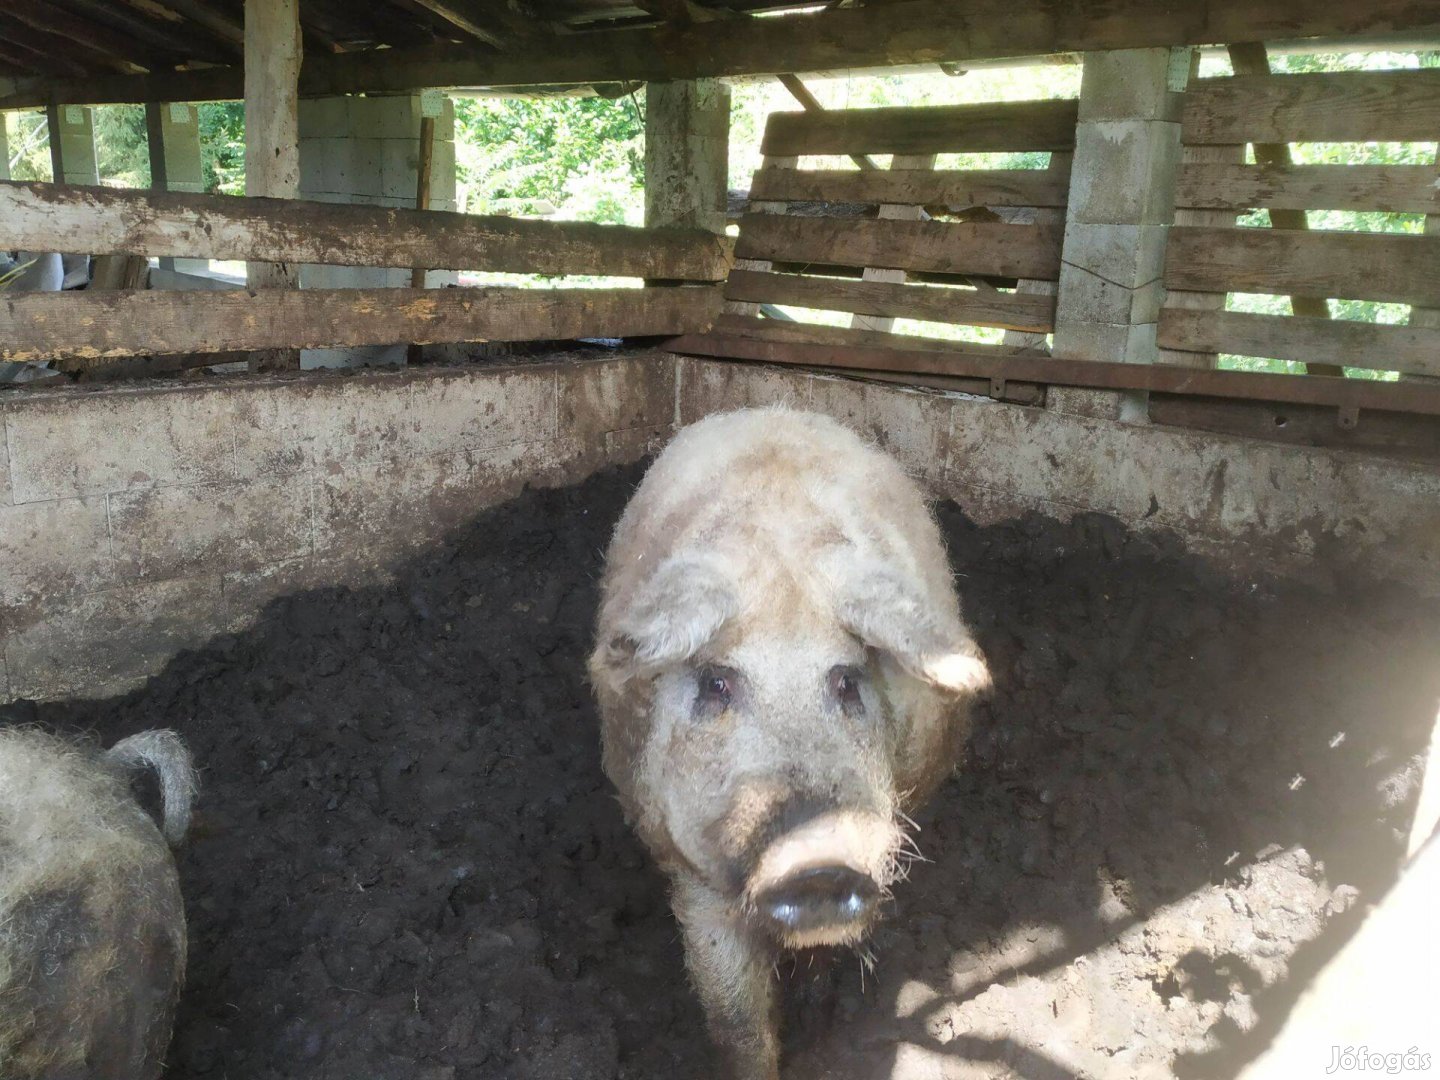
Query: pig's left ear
923, 634
669, 617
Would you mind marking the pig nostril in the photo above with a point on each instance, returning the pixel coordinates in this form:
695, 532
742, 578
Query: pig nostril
825, 896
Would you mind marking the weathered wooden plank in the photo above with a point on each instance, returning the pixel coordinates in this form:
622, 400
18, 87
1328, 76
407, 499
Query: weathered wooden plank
882, 35
947, 129
1030, 251
34, 326
1359, 266
1392, 434
1342, 106
965, 360
50, 217
1251, 58
1337, 342
943, 189
976, 307
843, 337
1397, 189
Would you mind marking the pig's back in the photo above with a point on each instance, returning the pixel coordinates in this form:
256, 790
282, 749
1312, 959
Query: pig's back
778, 485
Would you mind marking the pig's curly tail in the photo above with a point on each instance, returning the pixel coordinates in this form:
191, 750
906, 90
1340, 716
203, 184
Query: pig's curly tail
163, 751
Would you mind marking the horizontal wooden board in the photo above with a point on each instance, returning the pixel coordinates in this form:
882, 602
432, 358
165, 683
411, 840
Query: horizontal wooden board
1392, 188
1342, 106
964, 360
51, 217
955, 189
95, 325
916, 32
1411, 349
994, 127
1017, 393
1397, 435
842, 337
1357, 266
976, 307
1022, 251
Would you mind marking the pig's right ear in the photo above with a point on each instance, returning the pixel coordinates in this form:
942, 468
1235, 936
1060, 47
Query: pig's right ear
925, 635
670, 616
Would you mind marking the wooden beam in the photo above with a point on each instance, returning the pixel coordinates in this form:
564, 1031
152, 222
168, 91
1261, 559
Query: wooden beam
955, 189
1027, 251
810, 103
993, 127
47, 18
1336, 342
272, 136
457, 17
1250, 59
1396, 189
46, 217
910, 32
1341, 106
975, 307
35, 326
1390, 267
961, 360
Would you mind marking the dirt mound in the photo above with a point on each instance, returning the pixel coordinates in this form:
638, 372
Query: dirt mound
408, 863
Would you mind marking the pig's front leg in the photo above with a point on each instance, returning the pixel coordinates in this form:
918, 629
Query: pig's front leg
732, 972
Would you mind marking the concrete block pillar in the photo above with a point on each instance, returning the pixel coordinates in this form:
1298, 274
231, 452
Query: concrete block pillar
1122, 202
72, 144
366, 150
173, 131
687, 153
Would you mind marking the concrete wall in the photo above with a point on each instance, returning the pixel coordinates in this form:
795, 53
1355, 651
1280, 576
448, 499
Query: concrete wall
1297, 510
136, 522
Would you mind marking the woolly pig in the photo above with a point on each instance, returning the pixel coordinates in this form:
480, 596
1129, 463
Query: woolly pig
782, 671
92, 931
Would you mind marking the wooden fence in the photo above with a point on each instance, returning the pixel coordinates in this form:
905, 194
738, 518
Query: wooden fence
984, 248
99, 324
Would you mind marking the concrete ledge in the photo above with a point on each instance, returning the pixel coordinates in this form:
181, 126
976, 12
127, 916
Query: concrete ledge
137, 521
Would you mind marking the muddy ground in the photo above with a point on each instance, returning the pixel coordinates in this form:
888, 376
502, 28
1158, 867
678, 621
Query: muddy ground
409, 865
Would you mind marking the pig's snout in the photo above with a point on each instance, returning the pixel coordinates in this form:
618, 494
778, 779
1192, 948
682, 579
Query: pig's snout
821, 882
819, 899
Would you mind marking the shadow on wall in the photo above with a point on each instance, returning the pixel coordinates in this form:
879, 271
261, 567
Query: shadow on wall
408, 863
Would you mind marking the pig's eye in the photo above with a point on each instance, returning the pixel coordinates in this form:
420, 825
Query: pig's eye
716, 688
845, 687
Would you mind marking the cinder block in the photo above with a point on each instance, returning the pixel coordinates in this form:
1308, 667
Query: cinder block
471, 412
371, 512
90, 444
367, 160
1125, 172
52, 549
1132, 343
913, 426
843, 399
394, 116
399, 168
107, 642
1111, 273
707, 386
615, 395
442, 173
1143, 84
336, 163
178, 532
323, 118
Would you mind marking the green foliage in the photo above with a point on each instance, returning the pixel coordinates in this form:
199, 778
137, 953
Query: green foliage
584, 156
222, 146
122, 151
29, 145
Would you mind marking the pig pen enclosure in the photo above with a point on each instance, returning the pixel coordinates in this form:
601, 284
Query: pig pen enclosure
1209, 597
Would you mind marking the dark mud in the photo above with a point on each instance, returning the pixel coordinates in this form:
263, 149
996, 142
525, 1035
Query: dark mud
408, 863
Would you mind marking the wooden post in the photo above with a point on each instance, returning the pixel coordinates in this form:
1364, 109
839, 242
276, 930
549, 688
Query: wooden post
687, 153
415, 352
1251, 58
4, 146
272, 132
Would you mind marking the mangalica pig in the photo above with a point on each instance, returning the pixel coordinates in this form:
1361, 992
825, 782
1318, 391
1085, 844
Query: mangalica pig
783, 673
92, 930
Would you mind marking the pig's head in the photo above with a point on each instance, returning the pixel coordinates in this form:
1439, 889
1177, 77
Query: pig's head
767, 732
